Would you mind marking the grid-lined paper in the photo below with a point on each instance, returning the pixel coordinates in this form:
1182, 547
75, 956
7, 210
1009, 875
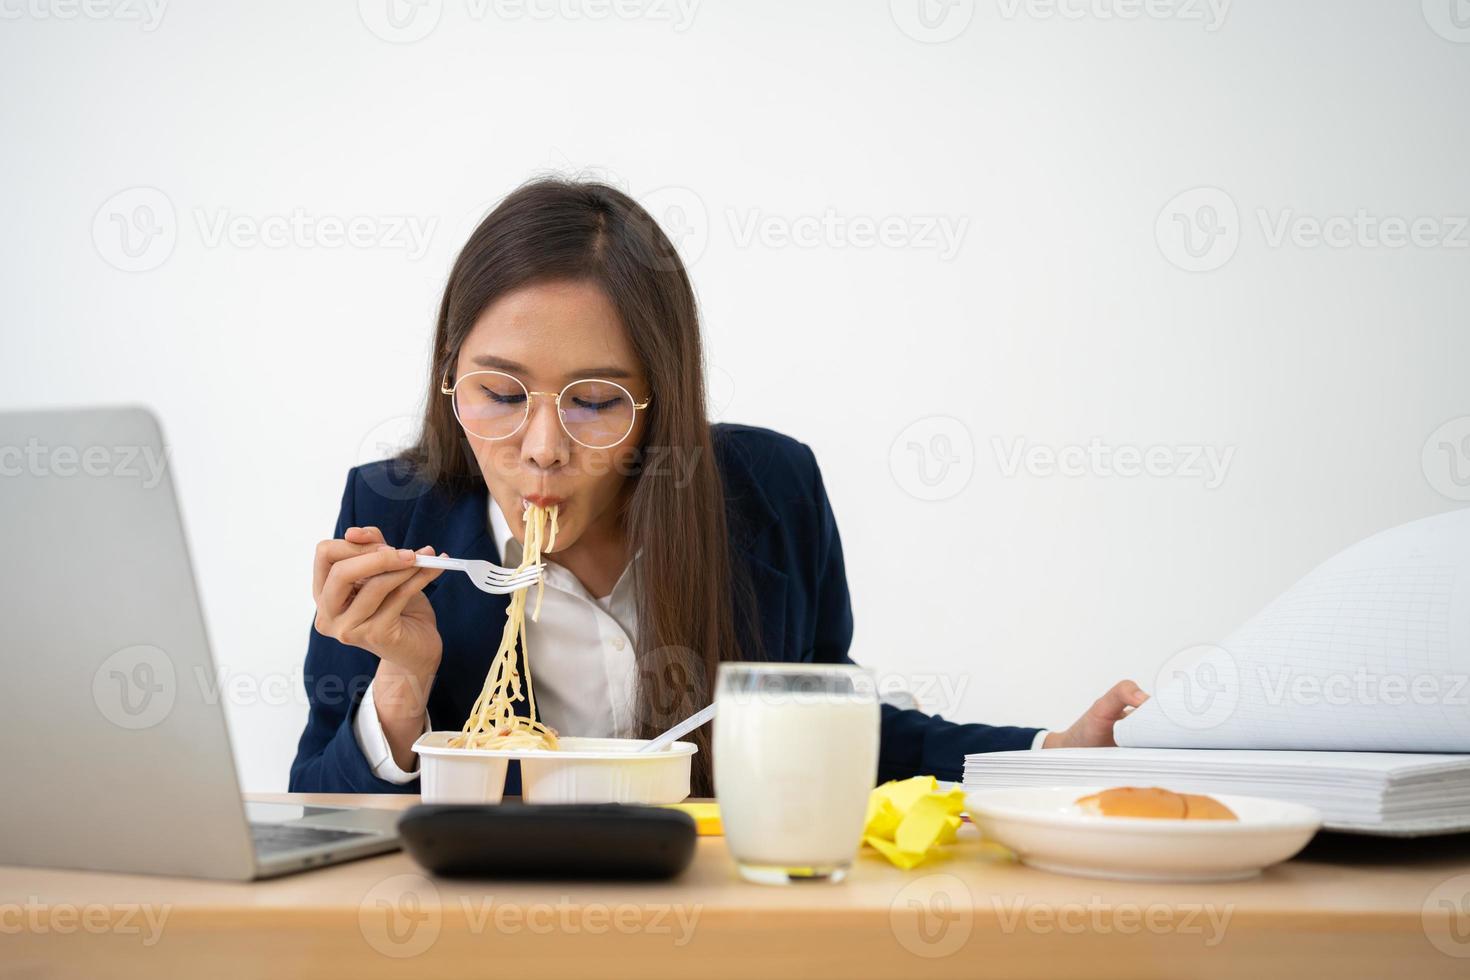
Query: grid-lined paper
1370, 652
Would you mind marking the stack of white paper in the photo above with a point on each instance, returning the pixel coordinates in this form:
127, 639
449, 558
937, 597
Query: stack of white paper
1367, 792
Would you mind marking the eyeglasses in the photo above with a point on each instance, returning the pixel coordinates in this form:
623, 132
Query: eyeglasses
493, 405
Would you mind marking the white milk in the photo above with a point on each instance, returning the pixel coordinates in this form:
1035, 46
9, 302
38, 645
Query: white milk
792, 774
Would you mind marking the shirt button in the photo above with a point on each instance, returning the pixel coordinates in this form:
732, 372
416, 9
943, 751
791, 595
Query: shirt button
619, 643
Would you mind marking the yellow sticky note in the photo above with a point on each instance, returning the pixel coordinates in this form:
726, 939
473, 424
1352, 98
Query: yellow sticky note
903, 793
954, 800
904, 859
924, 824
883, 817
909, 820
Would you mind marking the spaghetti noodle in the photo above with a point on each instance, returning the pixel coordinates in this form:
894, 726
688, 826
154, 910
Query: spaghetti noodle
493, 723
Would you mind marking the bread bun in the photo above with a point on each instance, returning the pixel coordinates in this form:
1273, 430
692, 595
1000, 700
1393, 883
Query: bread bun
1135, 801
1206, 808
1154, 803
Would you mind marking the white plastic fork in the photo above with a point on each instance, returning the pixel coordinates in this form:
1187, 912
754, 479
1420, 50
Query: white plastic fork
487, 576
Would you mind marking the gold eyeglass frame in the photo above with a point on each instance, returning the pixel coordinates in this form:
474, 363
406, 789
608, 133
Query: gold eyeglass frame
445, 388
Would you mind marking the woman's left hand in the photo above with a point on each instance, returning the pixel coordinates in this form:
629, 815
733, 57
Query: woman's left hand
1095, 727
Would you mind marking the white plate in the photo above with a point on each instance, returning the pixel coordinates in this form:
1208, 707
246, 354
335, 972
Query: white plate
583, 770
1046, 830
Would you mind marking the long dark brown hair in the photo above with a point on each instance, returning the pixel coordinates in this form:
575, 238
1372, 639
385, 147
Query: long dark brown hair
674, 517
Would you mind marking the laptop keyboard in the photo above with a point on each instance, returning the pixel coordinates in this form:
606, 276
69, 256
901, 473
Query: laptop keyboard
274, 838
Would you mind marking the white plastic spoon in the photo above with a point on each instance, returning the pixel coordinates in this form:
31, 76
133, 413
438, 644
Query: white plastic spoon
679, 731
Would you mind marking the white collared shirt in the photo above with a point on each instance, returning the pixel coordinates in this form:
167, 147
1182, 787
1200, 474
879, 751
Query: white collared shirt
581, 654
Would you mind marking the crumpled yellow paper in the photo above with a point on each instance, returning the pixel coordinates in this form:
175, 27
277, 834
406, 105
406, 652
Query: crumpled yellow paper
909, 820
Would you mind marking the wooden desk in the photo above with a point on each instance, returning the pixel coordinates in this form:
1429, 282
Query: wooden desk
1349, 907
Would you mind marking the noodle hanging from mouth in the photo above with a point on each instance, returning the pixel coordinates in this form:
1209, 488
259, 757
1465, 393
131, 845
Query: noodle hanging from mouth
493, 723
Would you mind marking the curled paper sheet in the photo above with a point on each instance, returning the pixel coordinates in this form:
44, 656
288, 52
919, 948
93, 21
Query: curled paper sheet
909, 820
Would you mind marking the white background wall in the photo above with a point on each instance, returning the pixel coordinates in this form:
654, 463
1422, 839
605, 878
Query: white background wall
1054, 143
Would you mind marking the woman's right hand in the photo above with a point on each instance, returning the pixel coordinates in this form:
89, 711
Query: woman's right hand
370, 595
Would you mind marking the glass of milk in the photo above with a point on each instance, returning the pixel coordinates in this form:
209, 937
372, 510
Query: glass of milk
795, 757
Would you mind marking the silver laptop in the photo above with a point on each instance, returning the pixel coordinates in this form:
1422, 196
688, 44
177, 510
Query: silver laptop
116, 753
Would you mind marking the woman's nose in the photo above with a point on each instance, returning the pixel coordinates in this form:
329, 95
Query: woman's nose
545, 443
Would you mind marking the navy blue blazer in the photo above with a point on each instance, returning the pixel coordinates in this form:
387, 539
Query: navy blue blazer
781, 527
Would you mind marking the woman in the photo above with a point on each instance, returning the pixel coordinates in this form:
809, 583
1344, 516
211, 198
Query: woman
567, 371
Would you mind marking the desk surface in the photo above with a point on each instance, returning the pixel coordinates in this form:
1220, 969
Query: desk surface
1347, 907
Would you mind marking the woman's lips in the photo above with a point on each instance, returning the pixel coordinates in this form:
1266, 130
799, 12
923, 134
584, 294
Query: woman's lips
542, 500
545, 501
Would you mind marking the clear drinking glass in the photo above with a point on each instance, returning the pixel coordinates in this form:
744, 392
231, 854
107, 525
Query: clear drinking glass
795, 757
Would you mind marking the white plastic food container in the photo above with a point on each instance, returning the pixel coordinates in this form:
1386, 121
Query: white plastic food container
582, 770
